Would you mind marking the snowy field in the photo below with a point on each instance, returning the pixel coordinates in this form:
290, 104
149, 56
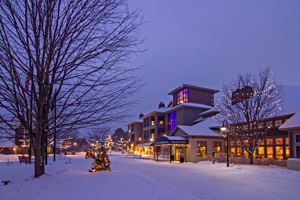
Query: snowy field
133, 178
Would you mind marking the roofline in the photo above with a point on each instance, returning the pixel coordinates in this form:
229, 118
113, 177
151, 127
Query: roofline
192, 86
133, 122
289, 129
151, 113
203, 136
262, 120
184, 105
172, 109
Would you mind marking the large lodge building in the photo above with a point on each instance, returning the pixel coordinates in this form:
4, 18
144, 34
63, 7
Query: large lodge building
186, 131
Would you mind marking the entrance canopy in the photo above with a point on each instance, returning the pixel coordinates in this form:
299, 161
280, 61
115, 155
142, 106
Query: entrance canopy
171, 140
145, 144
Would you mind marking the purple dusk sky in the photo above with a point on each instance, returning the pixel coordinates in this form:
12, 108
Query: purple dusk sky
207, 43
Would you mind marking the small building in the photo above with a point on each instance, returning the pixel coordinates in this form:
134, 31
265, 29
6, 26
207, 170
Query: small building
292, 126
8, 147
202, 139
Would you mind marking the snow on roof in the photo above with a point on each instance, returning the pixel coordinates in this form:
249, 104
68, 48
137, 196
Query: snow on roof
202, 128
209, 111
175, 138
166, 109
183, 86
291, 123
144, 144
213, 110
135, 121
189, 104
7, 143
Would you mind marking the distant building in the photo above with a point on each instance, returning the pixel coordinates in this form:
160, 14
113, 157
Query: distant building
188, 103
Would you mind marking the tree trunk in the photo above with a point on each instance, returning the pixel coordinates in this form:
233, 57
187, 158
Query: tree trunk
251, 151
39, 168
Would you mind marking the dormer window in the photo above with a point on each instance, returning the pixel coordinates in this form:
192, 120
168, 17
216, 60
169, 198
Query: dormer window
182, 96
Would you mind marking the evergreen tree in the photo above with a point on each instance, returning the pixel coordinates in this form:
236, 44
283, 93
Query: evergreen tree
90, 154
101, 162
108, 143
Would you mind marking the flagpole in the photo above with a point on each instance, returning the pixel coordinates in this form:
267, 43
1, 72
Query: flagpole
30, 111
54, 137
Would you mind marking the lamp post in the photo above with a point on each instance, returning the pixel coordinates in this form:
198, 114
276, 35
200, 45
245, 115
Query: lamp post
224, 128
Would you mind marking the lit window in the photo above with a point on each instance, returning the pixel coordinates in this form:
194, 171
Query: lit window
260, 125
261, 152
182, 96
270, 141
287, 151
287, 140
232, 150
278, 122
270, 152
217, 147
201, 149
279, 141
269, 124
279, 152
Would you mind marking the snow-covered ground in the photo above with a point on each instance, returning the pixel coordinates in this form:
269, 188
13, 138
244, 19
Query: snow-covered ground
133, 178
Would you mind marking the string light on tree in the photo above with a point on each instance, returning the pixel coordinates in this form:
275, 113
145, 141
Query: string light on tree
247, 115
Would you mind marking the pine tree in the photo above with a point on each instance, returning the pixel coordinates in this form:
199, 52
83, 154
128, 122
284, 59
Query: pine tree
122, 145
90, 154
101, 162
108, 143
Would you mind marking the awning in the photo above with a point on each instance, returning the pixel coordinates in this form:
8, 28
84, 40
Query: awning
145, 144
171, 140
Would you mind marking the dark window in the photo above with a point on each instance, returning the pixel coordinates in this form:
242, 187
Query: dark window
146, 134
146, 122
132, 137
161, 130
297, 138
161, 120
132, 127
297, 151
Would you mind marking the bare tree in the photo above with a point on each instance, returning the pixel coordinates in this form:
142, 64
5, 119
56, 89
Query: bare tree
245, 116
73, 55
99, 133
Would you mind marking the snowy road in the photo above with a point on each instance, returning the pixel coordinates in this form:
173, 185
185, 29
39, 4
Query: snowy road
133, 178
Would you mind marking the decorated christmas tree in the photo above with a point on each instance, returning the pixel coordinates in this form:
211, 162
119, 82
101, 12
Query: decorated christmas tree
108, 143
101, 162
90, 154
122, 145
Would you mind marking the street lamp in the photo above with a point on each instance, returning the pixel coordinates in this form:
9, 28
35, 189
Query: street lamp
224, 129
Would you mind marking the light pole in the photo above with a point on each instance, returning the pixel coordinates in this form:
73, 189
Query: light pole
224, 128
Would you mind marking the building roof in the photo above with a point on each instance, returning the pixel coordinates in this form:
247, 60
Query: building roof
185, 104
291, 123
7, 143
145, 144
191, 86
203, 128
212, 111
134, 122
